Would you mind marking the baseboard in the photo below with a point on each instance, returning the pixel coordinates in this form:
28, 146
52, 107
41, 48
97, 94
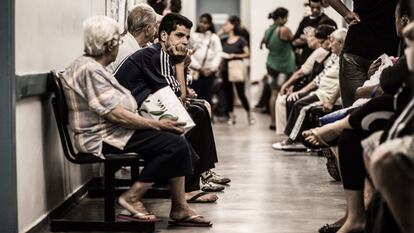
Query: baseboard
95, 191
61, 209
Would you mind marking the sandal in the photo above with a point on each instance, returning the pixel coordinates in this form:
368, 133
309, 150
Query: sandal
190, 222
331, 164
137, 217
329, 228
322, 143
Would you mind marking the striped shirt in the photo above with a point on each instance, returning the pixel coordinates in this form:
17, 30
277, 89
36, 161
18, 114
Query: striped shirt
168, 70
328, 80
146, 71
91, 93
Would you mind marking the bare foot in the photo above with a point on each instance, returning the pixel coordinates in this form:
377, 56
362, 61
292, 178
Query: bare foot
322, 135
183, 213
135, 207
209, 197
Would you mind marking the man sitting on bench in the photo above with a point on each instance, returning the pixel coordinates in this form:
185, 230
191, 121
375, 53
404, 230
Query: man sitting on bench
103, 117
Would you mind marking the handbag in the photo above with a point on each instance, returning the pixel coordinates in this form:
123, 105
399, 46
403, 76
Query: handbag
237, 70
164, 104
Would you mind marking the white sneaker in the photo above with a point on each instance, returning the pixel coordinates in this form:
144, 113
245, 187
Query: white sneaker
296, 146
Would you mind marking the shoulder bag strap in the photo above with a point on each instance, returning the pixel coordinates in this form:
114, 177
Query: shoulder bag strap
205, 57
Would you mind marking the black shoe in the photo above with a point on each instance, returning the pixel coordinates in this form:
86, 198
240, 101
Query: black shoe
328, 228
272, 127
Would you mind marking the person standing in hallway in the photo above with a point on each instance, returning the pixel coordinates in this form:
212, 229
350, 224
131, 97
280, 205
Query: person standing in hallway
280, 62
371, 33
316, 18
206, 58
235, 48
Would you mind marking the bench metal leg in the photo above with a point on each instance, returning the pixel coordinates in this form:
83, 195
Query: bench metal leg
109, 192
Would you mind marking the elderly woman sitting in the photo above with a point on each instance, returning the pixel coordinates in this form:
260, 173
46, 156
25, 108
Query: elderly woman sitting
103, 116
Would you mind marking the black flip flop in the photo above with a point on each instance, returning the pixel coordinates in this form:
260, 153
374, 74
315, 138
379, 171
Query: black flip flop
329, 228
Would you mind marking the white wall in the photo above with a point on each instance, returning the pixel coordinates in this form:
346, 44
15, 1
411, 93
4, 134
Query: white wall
48, 36
259, 11
189, 10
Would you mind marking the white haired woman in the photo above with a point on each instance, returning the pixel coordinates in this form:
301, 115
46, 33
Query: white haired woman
102, 114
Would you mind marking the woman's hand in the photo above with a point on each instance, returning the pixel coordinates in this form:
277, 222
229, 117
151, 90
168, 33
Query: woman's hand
205, 72
191, 93
352, 18
374, 67
327, 107
294, 96
172, 126
284, 89
232, 56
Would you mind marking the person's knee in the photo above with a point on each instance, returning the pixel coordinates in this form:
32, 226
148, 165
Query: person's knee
181, 143
383, 167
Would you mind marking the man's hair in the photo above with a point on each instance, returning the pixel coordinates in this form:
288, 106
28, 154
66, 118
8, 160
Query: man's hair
280, 12
98, 33
323, 31
140, 17
176, 6
408, 31
328, 21
315, 1
158, 6
170, 22
404, 8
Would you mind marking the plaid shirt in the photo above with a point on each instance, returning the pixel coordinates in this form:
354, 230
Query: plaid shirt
91, 93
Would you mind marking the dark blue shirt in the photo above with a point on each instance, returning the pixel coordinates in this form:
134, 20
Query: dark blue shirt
146, 71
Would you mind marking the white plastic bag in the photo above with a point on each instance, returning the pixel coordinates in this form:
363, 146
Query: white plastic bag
164, 104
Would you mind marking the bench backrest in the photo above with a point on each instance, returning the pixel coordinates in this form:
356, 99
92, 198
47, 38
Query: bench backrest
60, 109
